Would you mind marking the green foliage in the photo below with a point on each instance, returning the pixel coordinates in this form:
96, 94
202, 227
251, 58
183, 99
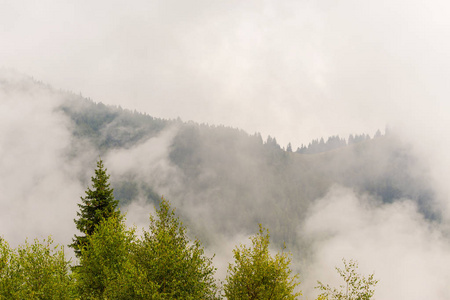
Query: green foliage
98, 204
257, 275
356, 287
34, 271
107, 267
164, 264
175, 264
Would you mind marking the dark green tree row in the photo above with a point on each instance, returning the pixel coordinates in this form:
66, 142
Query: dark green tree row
244, 175
115, 263
108, 127
333, 142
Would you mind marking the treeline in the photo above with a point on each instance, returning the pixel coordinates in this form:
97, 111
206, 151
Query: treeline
333, 142
163, 263
115, 263
113, 127
109, 127
238, 175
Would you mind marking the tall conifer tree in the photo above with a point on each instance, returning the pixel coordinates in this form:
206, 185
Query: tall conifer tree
98, 204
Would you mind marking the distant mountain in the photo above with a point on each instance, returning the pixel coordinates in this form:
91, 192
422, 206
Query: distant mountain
240, 176
224, 180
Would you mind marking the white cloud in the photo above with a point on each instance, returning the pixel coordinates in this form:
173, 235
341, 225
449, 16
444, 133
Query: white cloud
294, 69
37, 182
149, 161
409, 255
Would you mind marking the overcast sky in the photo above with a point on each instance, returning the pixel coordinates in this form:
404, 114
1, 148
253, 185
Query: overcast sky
296, 70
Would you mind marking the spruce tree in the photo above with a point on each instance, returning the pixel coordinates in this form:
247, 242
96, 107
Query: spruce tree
97, 205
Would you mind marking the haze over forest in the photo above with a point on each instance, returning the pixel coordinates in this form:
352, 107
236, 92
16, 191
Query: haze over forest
371, 199
198, 102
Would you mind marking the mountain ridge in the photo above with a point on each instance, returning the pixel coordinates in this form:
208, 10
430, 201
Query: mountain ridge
223, 180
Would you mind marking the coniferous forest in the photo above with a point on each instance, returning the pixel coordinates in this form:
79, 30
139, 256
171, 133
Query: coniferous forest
172, 149
199, 185
163, 263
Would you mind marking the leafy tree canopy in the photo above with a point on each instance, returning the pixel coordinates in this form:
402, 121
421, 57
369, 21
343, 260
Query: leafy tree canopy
107, 269
177, 265
163, 264
356, 287
34, 271
256, 274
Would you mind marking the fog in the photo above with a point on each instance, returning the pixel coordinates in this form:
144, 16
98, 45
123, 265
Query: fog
38, 183
407, 254
311, 68
297, 70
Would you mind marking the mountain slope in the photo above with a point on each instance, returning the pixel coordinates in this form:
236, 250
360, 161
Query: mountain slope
223, 181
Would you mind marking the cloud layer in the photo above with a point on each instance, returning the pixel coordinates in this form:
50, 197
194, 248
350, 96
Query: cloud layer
409, 255
37, 181
296, 70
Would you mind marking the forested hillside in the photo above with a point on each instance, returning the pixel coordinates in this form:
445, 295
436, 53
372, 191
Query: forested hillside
223, 181
227, 171
234, 175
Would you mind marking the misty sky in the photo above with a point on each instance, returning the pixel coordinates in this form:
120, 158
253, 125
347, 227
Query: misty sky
296, 70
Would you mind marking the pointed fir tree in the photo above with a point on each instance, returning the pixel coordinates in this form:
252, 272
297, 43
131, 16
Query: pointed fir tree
97, 205
289, 148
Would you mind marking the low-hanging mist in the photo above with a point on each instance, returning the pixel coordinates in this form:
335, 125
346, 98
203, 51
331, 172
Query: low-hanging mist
408, 254
380, 201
